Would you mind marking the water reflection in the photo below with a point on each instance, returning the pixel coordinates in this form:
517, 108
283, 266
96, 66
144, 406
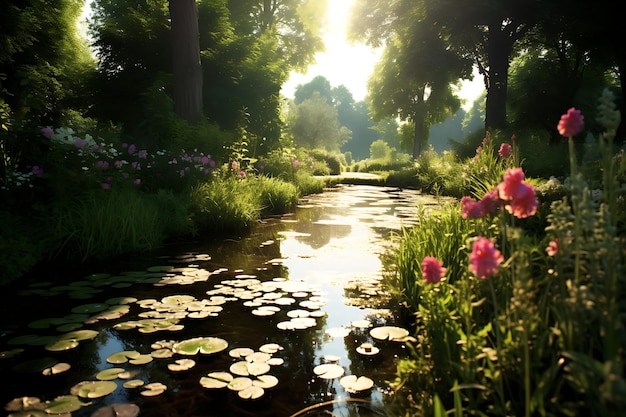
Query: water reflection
331, 248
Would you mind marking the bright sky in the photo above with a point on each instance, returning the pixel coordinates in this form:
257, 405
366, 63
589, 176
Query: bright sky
352, 65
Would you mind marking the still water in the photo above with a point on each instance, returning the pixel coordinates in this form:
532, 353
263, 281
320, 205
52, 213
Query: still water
299, 291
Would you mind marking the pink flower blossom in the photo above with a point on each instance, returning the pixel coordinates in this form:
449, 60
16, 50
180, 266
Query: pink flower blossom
47, 131
79, 143
102, 164
520, 197
553, 247
485, 258
432, 270
137, 181
131, 149
471, 209
106, 186
505, 150
491, 201
242, 174
204, 160
212, 163
234, 165
571, 123
142, 154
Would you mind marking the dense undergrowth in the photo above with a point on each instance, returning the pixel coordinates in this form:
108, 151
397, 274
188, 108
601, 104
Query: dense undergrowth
516, 294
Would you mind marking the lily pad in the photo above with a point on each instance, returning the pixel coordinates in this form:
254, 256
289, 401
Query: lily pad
389, 333
141, 360
270, 348
265, 381
241, 352
61, 345
153, 389
93, 389
204, 345
64, 404
79, 335
245, 368
90, 308
109, 374
216, 380
178, 300
354, 384
117, 410
133, 383
123, 357
328, 371
251, 393
24, 403
181, 365
240, 383
58, 368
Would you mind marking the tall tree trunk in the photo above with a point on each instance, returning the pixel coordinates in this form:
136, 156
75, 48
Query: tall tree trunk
418, 119
186, 65
498, 55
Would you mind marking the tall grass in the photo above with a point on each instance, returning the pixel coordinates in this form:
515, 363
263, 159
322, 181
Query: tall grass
101, 224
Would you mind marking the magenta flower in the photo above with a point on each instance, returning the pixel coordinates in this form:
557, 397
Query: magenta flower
212, 163
204, 160
505, 150
137, 181
102, 164
106, 186
432, 270
234, 165
491, 201
242, 174
79, 143
47, 131
571, 123
520, 197
142, 154
485, 258
553, 247
131, 149
471, 209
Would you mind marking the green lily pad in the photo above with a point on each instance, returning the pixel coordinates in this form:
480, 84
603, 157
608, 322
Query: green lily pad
141, 360
251, 393
134, 383
64, 404
32, 404
117, 410
328, 371
47, 323
265, 381
109, 374
61, 345
35, 365
90, 308
238, 384
123, 357
153, 389
204, 345
93, 389
389, 333
11, 353
79, 335
181, 365
177, 300
121, 300
31, 340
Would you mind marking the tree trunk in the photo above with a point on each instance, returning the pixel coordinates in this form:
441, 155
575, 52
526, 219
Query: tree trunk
186, 64
498, 54
418, 119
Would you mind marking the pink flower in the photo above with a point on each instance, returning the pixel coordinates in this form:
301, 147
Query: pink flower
106, 186
212, 163
47, 131
553, 247
142, 154
234, 165
571, 123
79, 143
505, 150
432, 270
102, 164
131, 149
520, 197
242, 174
204, 160
491, 201
37, 171
485, 258
137, 181
471, 209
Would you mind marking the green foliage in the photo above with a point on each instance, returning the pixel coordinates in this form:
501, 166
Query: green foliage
307, 184
20, 248
101, 224
275, 196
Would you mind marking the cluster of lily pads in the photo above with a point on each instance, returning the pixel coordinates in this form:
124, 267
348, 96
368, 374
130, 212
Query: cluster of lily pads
248, 375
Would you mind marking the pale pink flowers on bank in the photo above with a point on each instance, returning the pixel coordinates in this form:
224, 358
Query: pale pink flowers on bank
485, 258
571, 123
432, 270
553, 247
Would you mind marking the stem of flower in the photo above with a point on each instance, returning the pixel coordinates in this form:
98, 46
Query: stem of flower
575, 201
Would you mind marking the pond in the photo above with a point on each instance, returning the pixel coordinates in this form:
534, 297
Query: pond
289, 320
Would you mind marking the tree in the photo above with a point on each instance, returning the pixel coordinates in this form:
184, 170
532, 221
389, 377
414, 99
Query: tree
315, 125
186, 64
